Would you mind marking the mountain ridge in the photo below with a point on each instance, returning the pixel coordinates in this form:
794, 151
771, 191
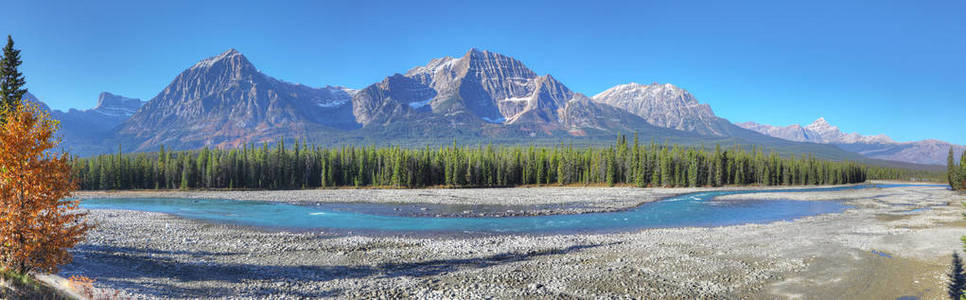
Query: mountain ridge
83, 131
480, 97
224, 101
881, 146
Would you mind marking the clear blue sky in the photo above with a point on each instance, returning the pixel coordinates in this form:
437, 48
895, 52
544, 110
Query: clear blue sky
893, 67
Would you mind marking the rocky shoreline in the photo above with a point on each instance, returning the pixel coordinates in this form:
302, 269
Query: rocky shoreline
150, 255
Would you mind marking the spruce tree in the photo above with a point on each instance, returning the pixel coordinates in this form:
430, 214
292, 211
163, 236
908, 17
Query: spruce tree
184, 178
951, 171
692, 168
11, 80
961, 176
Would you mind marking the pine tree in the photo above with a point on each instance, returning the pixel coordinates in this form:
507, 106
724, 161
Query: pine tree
11, 80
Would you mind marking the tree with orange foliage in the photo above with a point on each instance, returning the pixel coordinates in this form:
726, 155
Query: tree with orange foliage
37, 221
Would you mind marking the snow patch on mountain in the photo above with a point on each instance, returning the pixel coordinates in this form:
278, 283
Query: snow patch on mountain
517, 99
338, 96
420, 104
494, 120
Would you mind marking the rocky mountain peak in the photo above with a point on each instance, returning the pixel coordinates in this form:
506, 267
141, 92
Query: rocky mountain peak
821, 125
476, 53
491, 86
664, 105
436, 65
828, 133
229, 63
819, 131
215, 74
227, 56
653, 92
492, 65
792, 133
224, 101
106, 99
115, 105
878, 146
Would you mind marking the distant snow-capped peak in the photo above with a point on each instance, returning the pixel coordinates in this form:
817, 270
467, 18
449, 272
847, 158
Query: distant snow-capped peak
819, 131
823, 126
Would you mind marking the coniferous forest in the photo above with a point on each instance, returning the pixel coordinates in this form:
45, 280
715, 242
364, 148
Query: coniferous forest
282, 166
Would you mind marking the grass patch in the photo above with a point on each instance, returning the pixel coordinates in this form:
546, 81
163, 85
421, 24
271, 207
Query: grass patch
19, 286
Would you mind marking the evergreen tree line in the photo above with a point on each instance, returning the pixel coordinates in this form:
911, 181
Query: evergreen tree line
306, 166
956, 174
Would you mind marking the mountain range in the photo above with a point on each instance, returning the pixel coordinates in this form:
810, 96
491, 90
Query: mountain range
928, 152
85, 131
480, 97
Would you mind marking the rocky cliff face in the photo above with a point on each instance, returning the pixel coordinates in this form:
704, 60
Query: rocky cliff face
225, 101
930, 152
665, 105
480, 86
581, 114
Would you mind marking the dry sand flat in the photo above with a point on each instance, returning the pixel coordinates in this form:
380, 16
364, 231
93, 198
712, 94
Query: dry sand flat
829, 256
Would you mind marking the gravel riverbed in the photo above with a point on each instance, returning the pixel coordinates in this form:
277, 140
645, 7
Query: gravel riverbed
894, 242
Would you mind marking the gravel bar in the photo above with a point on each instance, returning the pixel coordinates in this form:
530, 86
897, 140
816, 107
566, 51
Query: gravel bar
882, 248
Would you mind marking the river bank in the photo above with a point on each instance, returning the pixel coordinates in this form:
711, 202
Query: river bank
882, 248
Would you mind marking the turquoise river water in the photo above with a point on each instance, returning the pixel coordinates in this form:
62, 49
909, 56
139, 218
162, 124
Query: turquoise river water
695, 209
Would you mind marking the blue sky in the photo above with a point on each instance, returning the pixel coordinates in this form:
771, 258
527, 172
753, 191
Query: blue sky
893, 67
